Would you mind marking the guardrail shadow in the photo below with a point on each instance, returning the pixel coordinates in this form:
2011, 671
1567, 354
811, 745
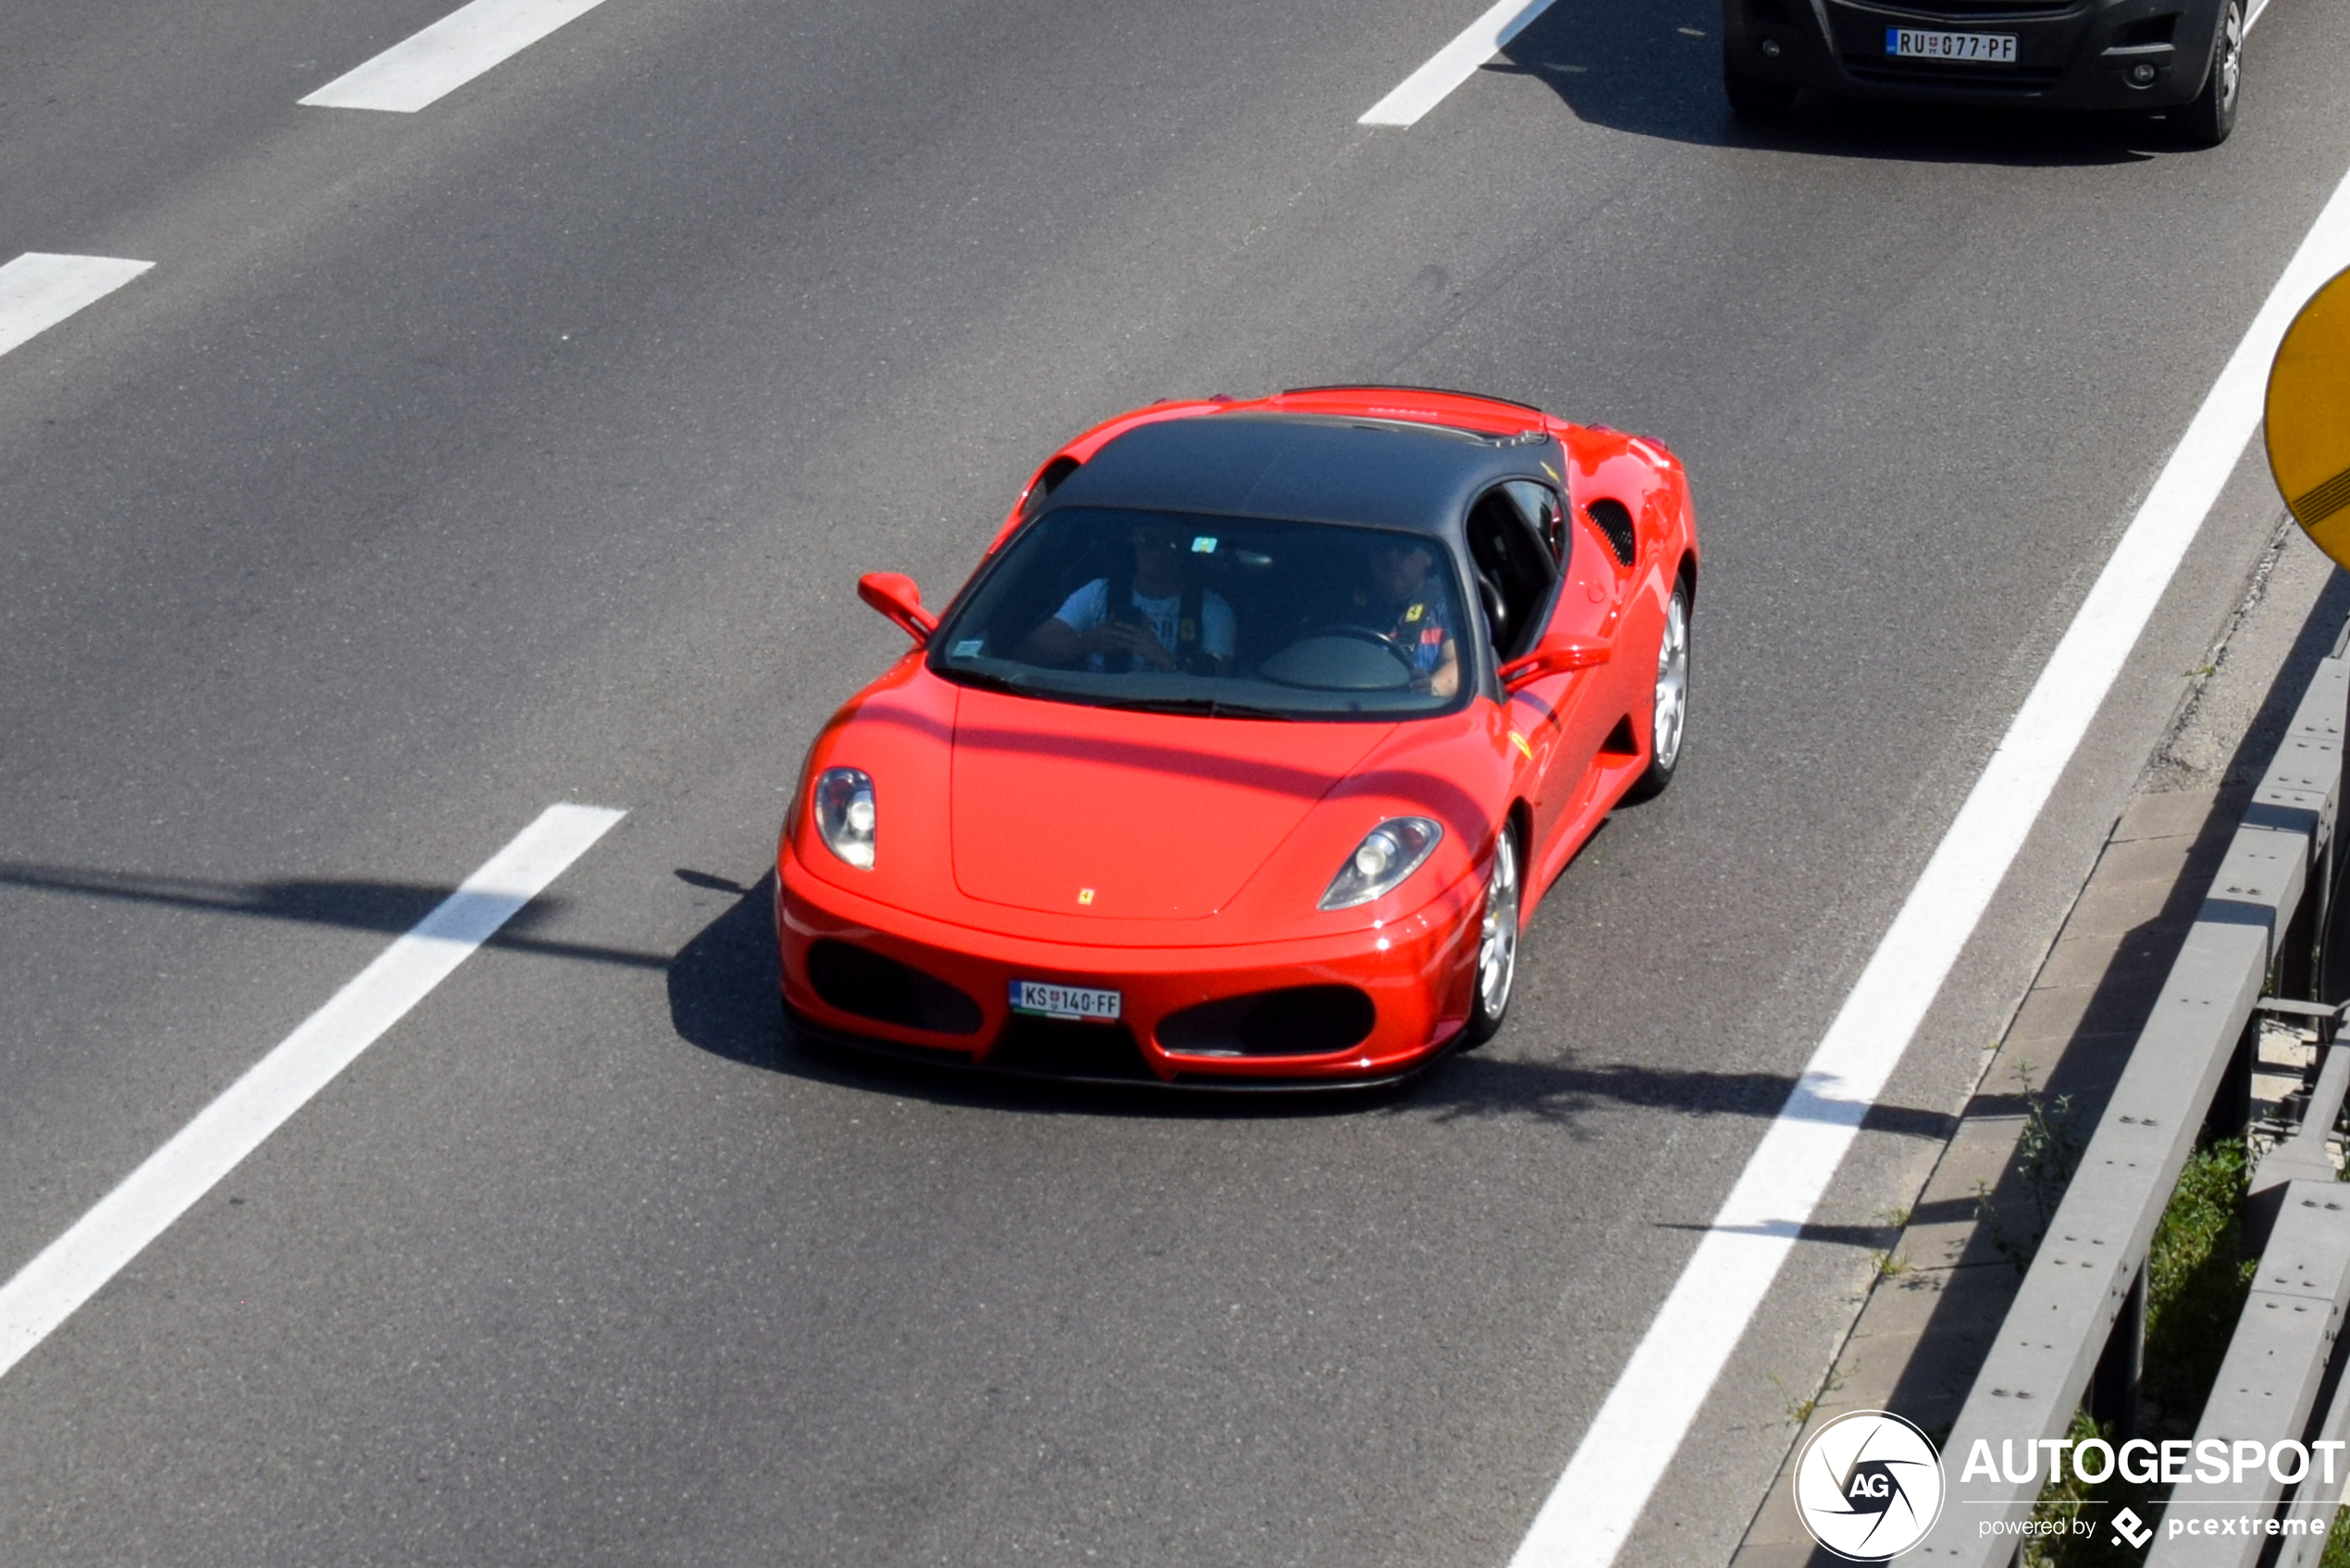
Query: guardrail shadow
1655, 70
1477, 1085
351, 902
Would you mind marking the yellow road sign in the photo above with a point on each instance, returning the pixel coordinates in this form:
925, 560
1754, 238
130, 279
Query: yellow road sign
2308, 419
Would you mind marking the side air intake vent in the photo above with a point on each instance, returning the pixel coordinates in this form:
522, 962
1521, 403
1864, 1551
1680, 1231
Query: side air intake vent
1614, 520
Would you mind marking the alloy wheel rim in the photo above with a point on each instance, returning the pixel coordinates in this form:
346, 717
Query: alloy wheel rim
1497, 942
1672, 685
2230, 55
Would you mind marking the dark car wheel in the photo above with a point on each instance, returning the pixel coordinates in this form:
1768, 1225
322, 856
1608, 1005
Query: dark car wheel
1669, 718
2207, 121
1754, 98
1496, 942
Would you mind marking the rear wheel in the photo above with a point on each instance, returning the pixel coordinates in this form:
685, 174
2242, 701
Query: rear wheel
1496, 942
2207, 121
1669, 716
1754, 98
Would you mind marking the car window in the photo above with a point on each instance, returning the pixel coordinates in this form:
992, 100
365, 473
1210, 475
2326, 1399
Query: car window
1514, 571
1251, 617
1540, 507
1048, 481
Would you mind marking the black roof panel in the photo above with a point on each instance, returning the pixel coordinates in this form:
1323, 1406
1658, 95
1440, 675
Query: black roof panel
1314, 468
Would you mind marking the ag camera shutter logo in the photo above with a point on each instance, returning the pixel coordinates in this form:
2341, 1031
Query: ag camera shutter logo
1868, 1486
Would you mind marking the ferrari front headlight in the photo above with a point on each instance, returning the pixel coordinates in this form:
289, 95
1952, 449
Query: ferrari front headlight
845, 815
1388, 854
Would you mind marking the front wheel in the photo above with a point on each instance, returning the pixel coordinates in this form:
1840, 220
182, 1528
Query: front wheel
1669, 714
2207, 121
1496, 942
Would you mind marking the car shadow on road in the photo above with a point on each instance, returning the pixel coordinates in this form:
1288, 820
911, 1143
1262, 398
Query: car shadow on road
723, 999
1654, 70
722, 991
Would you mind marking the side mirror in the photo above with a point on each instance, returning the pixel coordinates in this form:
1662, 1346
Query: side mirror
1556, 656
894, 595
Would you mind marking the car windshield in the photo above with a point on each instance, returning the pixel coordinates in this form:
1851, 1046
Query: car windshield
1222, 616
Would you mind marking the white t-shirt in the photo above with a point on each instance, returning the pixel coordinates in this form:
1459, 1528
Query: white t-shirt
1086, 609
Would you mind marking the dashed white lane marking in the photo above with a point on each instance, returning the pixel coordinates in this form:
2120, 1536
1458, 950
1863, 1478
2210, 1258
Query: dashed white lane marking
37, 289
1455, 64
71, 1269
1645, 1416
449, 54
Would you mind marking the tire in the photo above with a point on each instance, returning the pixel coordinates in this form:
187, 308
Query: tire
1754, 98
1669, 709
1497, 942
2207, 121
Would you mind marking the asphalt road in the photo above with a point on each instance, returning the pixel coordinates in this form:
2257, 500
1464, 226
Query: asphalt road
527, 448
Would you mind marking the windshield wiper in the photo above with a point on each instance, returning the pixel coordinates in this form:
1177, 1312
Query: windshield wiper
1211, 707
1207, 706
986, 680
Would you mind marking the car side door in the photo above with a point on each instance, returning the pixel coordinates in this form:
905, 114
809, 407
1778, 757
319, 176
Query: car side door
1517, 539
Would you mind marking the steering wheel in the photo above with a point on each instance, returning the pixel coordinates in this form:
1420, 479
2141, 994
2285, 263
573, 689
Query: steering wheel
1372, 634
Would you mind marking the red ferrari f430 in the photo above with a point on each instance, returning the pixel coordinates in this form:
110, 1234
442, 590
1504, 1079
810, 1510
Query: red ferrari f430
1244, 754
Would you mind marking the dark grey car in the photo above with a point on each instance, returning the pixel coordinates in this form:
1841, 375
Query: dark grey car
2180, 56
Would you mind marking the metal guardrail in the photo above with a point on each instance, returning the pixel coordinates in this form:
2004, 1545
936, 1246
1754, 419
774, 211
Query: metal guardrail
2266, 1388
2314, 1502
2079, 1317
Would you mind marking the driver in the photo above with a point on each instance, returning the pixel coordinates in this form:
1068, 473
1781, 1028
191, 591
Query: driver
1397, 600
1156, 616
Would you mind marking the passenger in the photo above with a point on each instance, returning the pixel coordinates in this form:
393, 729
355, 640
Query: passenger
1155, 615
1398, 600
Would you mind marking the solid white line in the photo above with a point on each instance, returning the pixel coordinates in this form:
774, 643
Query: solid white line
37, 291
71, 1269
1640, 1426
449, 54
1455, 64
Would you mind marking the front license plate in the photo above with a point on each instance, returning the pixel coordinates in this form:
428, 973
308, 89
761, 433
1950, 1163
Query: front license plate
1972, 48
1082, 1003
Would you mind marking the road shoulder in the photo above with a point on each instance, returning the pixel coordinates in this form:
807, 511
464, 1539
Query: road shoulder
1944, 1283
